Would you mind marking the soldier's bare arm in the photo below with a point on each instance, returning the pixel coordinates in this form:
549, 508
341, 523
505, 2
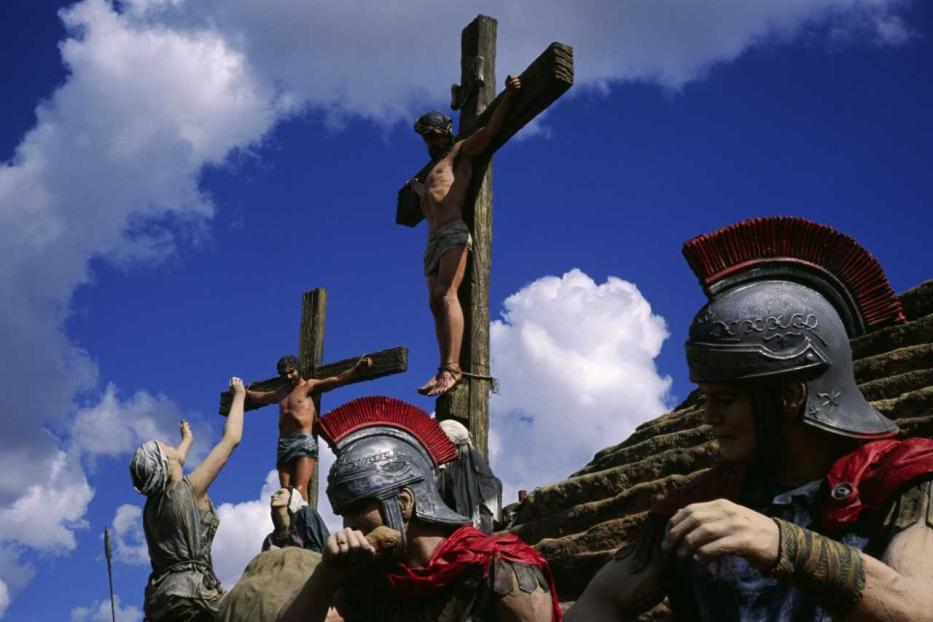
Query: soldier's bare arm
628, 585
897, 587
479, 141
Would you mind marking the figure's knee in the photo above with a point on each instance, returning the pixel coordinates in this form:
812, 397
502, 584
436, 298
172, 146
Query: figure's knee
445, 297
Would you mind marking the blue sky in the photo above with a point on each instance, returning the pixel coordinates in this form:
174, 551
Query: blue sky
192, 168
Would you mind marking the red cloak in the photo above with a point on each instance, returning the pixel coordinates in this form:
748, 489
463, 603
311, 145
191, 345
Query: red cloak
464, 551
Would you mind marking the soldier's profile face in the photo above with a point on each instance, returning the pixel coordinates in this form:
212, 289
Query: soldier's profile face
363, 516
728, 411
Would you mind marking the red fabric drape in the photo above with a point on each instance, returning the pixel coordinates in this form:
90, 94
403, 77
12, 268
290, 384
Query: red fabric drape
874, 473
465, 550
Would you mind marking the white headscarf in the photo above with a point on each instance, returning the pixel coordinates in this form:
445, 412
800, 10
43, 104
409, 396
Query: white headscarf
457, 433
149, 468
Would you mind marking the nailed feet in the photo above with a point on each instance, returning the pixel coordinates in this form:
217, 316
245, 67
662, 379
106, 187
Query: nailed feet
443, 381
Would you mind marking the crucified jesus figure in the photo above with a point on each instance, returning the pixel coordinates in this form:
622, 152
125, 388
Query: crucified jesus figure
297, 449
443, 193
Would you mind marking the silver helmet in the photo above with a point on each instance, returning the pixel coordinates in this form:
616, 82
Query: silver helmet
785, 297
384, 445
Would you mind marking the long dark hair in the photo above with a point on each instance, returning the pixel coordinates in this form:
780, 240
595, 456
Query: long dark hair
767, 413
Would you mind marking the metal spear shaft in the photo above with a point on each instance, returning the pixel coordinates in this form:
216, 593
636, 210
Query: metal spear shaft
109, 556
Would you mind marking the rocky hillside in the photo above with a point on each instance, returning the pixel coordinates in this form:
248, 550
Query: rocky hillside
578, 523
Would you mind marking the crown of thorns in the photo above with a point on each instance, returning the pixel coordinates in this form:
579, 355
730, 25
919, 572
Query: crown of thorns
432, 122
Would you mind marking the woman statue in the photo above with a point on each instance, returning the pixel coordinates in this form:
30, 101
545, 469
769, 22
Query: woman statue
180, 521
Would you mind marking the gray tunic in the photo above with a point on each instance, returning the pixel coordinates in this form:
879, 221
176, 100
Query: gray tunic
182, 586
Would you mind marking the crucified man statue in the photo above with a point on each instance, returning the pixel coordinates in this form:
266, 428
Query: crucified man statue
443, 193
297, 449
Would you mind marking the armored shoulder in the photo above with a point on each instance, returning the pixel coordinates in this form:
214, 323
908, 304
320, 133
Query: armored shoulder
507, 577
910, 507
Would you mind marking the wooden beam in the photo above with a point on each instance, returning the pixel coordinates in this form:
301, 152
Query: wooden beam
543, 82
468, 402
311, 331
311, 355
385, 363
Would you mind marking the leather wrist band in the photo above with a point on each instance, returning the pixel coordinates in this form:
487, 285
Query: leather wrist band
831, 570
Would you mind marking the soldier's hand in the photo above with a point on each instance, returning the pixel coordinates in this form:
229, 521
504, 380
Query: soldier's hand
347, 553
720, 527
185, 430
236, 385
512, 83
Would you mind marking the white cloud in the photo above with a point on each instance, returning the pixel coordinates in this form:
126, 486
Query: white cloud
4, 597
111, 171
129, 540
45, 515
386, 75
327, 458
575, 360
100, 612
114, 427
242, 529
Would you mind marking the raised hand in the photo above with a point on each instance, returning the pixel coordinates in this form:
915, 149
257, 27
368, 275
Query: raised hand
512, 83
347, 554
365, 362
185, 429
236, 385
720, 527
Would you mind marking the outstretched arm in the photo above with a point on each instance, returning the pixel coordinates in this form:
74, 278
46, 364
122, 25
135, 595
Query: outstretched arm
479, 141
202, 477
262, 397
326, 384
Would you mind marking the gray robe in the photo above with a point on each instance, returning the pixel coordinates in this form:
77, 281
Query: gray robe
182, 586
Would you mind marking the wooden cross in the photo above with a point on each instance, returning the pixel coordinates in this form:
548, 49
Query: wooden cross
546, 79
311, 355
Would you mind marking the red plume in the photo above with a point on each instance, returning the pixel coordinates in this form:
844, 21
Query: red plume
735, 248
372, 411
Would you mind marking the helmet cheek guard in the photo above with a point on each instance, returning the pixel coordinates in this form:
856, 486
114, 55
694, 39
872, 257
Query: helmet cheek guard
785, 297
